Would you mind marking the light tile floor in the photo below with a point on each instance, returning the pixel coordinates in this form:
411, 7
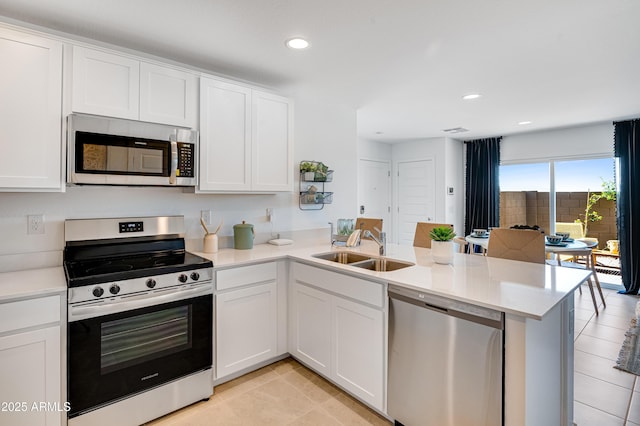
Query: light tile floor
603, 395
286, 393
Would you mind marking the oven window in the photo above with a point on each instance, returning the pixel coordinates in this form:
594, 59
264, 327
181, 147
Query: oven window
134, 340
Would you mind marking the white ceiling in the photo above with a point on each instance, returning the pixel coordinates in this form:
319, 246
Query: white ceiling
404, 64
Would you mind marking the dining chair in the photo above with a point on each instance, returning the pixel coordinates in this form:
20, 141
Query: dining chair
462, 244
423, 229
368, 224
517, 244
584, 259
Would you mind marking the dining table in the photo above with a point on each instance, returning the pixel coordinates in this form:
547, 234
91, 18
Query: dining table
564, 246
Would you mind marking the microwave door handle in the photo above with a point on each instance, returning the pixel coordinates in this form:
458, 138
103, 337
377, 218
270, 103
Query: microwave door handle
174, 161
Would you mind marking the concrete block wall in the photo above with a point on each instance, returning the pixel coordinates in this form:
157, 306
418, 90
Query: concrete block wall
532, 208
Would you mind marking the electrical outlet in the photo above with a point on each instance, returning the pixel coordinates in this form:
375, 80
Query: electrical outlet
269, 215
206, 216
35, 224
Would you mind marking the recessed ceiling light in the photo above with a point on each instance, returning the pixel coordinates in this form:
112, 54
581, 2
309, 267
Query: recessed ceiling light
524, 123
297, 43
471, 96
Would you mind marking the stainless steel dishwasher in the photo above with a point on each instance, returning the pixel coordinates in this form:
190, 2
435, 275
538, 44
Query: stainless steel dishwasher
445, 361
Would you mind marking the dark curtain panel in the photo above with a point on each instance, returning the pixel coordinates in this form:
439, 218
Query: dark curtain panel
482, 208
627, 150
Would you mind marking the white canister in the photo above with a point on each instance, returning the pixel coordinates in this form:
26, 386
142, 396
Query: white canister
210, 243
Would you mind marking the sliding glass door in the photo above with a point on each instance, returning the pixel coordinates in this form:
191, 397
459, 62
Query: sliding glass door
567, 191
524, 195
585, 199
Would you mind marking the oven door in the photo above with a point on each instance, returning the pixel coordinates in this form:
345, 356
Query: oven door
115, 355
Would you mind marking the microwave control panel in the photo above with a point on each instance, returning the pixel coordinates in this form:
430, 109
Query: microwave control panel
186, 160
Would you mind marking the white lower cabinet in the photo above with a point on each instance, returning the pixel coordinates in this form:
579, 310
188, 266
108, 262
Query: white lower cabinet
358, 357
336, 334
247, 317
311, 327
30, 366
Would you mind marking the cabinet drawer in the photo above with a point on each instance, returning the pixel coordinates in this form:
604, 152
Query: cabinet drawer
29, 313
346, 285
244, 275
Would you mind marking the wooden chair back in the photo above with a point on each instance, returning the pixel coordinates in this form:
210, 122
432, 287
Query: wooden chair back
517, 244
368, 224
422, 237
462, 244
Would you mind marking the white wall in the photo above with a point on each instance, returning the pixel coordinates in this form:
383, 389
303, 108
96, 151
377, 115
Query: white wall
372, 150
593, 140
323, 131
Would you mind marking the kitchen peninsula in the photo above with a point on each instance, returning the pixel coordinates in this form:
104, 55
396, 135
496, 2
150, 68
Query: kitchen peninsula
536, 300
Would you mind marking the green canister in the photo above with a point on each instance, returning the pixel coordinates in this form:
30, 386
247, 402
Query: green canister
243, 235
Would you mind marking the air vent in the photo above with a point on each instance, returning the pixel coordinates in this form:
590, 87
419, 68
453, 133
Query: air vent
456, 130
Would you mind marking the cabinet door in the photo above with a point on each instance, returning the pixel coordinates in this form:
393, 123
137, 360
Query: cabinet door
272, 138
30, 112
310, 324
105, 84
246, 327
168, 96
225, 136
30, 373
358, 357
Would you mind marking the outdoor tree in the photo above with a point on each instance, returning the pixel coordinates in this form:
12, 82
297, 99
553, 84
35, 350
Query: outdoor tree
590, 215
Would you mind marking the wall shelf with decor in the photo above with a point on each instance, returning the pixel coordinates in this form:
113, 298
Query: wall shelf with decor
313, 176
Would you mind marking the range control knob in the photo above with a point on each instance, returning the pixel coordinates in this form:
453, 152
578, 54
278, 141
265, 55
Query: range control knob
151, 283
183, 278
114, 289
98, 292
195, 276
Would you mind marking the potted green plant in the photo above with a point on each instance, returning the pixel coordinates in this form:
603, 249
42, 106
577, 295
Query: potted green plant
321, 172
442, 244
308, 170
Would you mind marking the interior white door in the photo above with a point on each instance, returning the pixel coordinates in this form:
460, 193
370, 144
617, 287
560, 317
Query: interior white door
416, 197
374, 191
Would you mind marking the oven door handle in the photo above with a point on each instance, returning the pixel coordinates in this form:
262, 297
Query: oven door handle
99, 309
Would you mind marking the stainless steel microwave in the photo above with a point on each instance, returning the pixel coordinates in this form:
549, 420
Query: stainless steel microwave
112, 151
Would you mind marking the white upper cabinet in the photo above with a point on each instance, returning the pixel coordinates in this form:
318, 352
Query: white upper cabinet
30, 112
246, 139
225, 136
118, 86
272, 124
168, 96
105, 84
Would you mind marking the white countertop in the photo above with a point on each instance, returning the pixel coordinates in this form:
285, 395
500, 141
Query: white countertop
519, 288
32, 283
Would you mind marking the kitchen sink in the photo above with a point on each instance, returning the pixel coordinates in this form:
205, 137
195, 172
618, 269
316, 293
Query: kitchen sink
382, 264
343, 257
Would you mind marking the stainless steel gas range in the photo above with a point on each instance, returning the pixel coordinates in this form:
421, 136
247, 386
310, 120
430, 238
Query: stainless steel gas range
140, 320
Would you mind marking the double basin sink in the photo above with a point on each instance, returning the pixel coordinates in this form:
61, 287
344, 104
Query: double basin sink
378, 264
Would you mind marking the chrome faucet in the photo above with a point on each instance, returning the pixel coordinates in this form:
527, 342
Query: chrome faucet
381, 241
331, 234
